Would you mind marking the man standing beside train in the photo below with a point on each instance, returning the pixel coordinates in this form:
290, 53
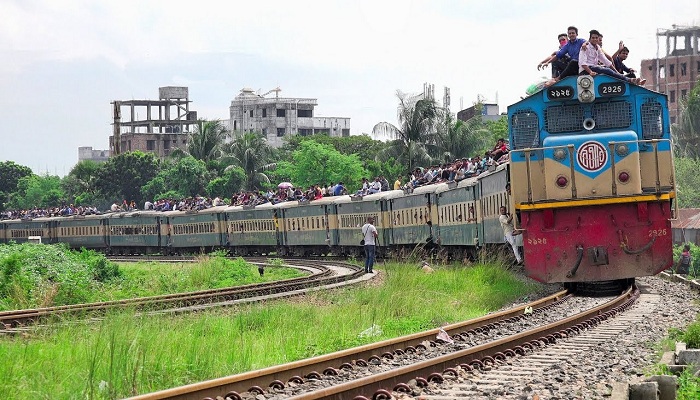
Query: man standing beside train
506, 221
369, 235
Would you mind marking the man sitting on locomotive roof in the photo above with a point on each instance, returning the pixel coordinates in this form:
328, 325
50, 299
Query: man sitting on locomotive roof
571, 49
618, 61
558, 64
592, 54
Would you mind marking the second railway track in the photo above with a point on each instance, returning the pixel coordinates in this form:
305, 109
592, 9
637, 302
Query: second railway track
326, 273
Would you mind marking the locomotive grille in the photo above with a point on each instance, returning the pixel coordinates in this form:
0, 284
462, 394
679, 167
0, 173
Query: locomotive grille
525, 128
565, 118
616, 114
652, 125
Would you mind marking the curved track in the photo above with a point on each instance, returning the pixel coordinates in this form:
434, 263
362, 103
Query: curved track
326, 274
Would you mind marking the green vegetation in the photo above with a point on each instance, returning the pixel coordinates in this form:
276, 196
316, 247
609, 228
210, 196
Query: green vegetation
34, 275
124, 355
688, 385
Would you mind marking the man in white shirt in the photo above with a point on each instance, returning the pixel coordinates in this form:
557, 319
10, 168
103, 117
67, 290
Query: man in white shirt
369, 234
506, 221
591, 54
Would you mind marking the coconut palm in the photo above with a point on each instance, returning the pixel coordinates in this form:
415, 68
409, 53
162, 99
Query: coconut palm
251, 152
414, 138
206, 142
457, 139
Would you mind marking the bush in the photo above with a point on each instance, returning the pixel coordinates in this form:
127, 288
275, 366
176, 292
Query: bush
35, 275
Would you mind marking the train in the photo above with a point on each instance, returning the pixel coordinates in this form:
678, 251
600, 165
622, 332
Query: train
449, 219
590, 180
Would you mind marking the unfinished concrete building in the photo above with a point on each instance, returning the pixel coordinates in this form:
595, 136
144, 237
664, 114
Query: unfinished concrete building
276, 117
153, 126
676, 68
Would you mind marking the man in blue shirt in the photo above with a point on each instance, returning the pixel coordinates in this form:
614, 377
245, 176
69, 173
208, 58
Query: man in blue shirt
571, 48
339, 188
618, 58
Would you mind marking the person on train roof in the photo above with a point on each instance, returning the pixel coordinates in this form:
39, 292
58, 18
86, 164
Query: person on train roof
592, 54
558, 64
571, 49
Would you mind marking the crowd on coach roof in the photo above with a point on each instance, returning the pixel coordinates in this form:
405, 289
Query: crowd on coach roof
452, 172
36, 212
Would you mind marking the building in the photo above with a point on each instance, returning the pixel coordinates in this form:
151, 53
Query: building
488, 112
87, 153
276, 117
153, 126
677, 71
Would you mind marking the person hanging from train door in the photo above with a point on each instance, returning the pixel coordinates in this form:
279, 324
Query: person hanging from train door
506, 221
369, 236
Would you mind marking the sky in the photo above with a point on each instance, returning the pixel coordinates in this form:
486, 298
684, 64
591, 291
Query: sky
64, 61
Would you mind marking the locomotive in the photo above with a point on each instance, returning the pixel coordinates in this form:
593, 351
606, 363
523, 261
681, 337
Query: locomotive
592, 180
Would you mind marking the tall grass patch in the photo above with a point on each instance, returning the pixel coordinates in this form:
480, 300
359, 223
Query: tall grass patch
124, 354
36, 275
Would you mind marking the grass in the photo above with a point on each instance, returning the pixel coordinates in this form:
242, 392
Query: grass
688, 385
34, 275
124, 355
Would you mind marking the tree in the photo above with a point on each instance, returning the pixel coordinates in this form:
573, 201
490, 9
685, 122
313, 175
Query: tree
458, 139
688, 182
10, 174
226, 185
37, 191
206, 142
250, 152
415, 133
187, 177
123, 175
79, 184
316, 163
687, 132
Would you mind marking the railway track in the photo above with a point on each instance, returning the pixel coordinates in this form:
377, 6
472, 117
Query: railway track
410, 364
330, 273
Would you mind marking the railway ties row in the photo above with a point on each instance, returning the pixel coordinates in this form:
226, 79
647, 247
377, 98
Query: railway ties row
518, 375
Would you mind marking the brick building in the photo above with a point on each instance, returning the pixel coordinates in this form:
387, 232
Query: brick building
676, 72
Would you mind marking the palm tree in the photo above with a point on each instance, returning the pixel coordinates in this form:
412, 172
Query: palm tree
414, 136
206, 142
251, 152
458, 139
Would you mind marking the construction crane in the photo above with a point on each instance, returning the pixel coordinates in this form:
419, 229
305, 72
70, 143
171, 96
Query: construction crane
277, 91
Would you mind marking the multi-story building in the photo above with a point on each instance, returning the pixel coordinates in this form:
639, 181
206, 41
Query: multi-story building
677, 72
153, 126
276, 117
488, 112
87, 153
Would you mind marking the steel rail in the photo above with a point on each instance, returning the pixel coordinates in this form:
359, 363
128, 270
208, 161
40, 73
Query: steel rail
320, 275
275, 375
379, 385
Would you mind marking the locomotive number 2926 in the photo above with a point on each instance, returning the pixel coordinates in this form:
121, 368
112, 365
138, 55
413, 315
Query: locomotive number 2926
657, 232
536, 241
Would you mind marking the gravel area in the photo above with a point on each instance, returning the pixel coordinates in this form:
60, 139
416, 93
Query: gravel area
627, 358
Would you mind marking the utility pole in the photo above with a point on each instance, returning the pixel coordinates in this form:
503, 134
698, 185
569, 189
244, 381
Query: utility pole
117, 114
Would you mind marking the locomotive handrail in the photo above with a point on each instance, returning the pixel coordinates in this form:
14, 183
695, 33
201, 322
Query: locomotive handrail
611, 145
527, 152
574, 192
